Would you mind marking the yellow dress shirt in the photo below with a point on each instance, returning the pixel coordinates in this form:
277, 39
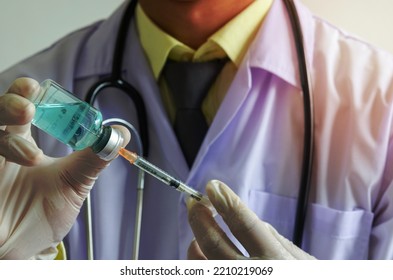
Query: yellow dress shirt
231, 41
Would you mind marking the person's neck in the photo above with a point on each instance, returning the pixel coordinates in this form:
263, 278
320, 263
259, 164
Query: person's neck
192, 21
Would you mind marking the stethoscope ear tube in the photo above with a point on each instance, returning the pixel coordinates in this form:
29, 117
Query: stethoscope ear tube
112, 82
308, 144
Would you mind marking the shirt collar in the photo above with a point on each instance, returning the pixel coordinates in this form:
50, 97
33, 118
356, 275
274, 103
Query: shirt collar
236, 36
243, 27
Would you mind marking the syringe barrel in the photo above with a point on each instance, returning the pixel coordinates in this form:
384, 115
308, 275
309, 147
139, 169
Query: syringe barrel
157, 172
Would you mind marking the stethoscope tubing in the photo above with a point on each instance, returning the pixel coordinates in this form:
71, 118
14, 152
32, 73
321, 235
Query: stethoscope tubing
308, 109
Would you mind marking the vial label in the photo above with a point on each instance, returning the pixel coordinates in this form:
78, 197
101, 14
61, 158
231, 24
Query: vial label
75, 124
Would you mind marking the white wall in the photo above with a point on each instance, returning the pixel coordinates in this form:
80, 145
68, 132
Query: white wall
371, 20
27, 26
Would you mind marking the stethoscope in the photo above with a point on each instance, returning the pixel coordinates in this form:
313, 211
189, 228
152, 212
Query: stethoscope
116, 81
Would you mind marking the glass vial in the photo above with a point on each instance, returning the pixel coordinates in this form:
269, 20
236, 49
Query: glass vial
74, 122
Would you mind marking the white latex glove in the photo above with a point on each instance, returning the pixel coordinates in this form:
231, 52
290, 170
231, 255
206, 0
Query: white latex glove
40, 196
260, 239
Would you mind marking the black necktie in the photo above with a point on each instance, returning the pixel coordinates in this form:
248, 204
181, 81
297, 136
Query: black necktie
188, 83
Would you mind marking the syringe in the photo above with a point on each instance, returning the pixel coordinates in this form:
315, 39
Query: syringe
164, 177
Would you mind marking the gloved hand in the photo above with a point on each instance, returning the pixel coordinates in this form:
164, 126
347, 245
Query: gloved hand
40, 196
260, 239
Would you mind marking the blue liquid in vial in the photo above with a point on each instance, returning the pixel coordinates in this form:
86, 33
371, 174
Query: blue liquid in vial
75, 124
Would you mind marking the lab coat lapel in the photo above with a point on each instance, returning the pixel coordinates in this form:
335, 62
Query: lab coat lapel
233, 100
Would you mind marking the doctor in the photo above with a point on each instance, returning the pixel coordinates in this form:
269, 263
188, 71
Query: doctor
254, 142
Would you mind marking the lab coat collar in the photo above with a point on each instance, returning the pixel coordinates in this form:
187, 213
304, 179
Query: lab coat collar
274, 47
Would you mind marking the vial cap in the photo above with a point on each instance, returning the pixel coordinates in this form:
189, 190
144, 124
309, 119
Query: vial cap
112, 146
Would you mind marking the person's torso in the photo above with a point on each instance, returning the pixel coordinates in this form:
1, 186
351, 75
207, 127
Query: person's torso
254, 145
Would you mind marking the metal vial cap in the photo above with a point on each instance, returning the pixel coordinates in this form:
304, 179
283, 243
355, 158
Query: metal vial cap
112, 142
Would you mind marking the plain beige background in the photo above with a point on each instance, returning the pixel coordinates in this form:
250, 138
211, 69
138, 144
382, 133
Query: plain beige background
27, 26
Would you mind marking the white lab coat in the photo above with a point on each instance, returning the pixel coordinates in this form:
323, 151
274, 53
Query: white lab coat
254, 144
